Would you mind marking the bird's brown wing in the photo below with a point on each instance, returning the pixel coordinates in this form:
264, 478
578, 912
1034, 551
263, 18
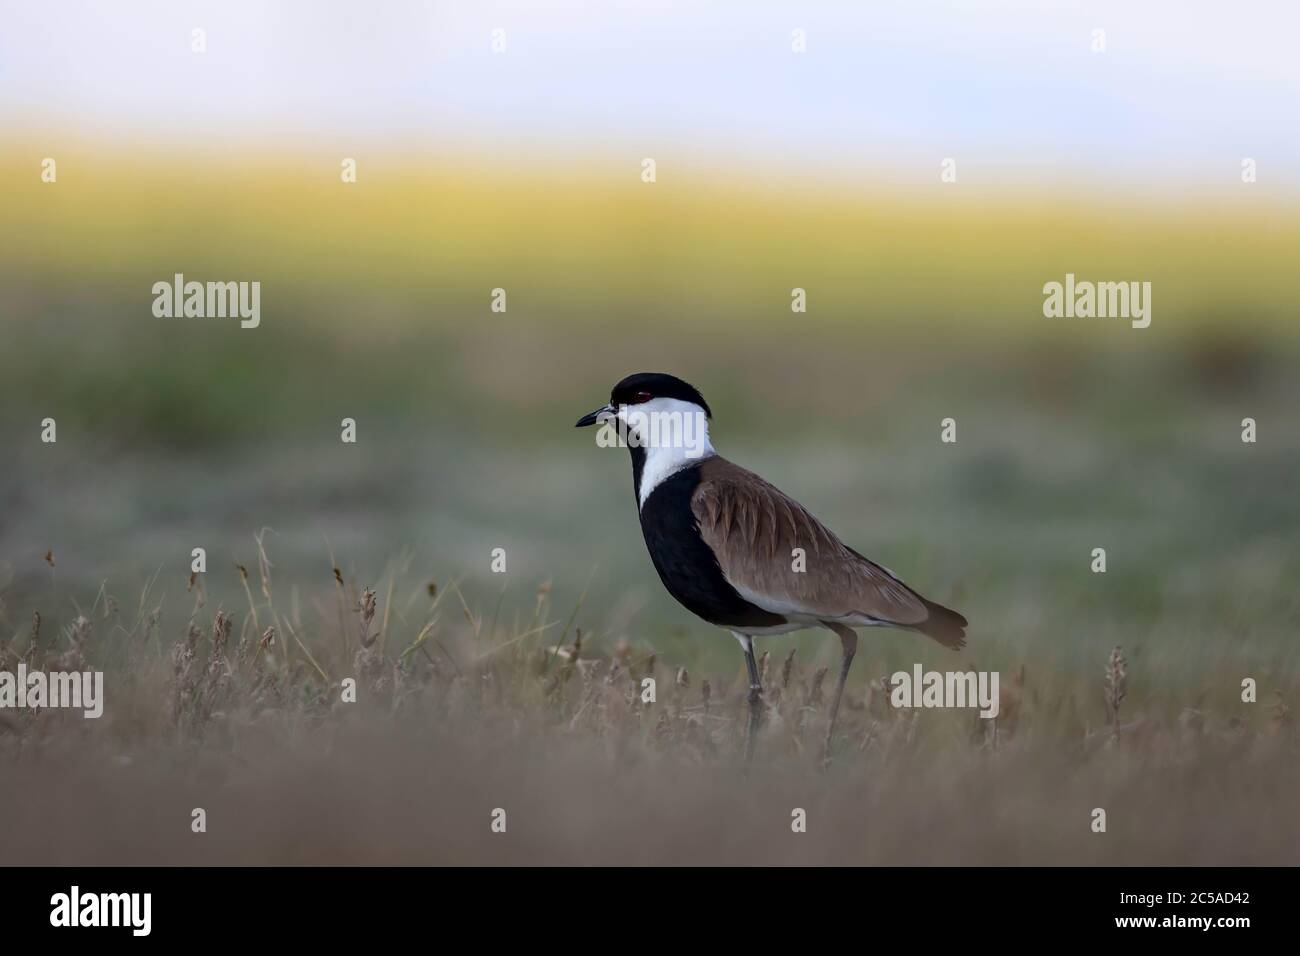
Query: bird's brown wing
753, 529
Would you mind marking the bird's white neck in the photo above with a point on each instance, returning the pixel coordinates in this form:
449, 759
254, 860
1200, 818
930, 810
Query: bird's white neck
671, 434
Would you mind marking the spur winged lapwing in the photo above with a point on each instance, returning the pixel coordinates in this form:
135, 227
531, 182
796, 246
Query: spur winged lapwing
724, 541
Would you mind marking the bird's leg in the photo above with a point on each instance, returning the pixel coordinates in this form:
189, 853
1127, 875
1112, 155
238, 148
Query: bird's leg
755, 696
849, 643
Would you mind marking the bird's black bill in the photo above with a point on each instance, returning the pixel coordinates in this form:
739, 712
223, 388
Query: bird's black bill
592, 417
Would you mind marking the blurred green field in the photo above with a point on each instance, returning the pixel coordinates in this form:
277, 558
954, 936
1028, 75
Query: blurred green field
922, 305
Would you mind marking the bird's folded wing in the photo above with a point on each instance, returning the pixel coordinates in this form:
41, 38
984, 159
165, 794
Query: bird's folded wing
754, 530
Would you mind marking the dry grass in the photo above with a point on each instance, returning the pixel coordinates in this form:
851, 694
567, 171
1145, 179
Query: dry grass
458, 713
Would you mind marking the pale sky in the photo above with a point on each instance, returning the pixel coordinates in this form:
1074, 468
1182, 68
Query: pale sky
1184, 90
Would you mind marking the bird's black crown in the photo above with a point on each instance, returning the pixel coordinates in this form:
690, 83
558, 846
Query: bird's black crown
643, 386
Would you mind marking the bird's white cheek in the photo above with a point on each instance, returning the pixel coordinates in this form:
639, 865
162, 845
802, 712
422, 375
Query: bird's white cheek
632, 425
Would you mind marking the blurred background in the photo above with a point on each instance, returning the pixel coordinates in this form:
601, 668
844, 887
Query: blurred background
521, 169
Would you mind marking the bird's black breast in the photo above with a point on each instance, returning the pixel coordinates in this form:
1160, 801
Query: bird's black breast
686, 564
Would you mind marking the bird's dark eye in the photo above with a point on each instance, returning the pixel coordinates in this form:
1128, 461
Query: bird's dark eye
640, 397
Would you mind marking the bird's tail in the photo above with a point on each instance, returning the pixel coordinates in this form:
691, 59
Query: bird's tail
944, 624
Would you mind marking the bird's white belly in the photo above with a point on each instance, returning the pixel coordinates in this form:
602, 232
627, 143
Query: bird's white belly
777, 629
798, 618
800, 622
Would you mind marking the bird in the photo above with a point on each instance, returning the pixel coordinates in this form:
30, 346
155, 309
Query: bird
727, 544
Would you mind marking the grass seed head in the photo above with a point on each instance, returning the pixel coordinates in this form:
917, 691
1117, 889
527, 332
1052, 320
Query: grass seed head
787, 669
366, 609
1116, 688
